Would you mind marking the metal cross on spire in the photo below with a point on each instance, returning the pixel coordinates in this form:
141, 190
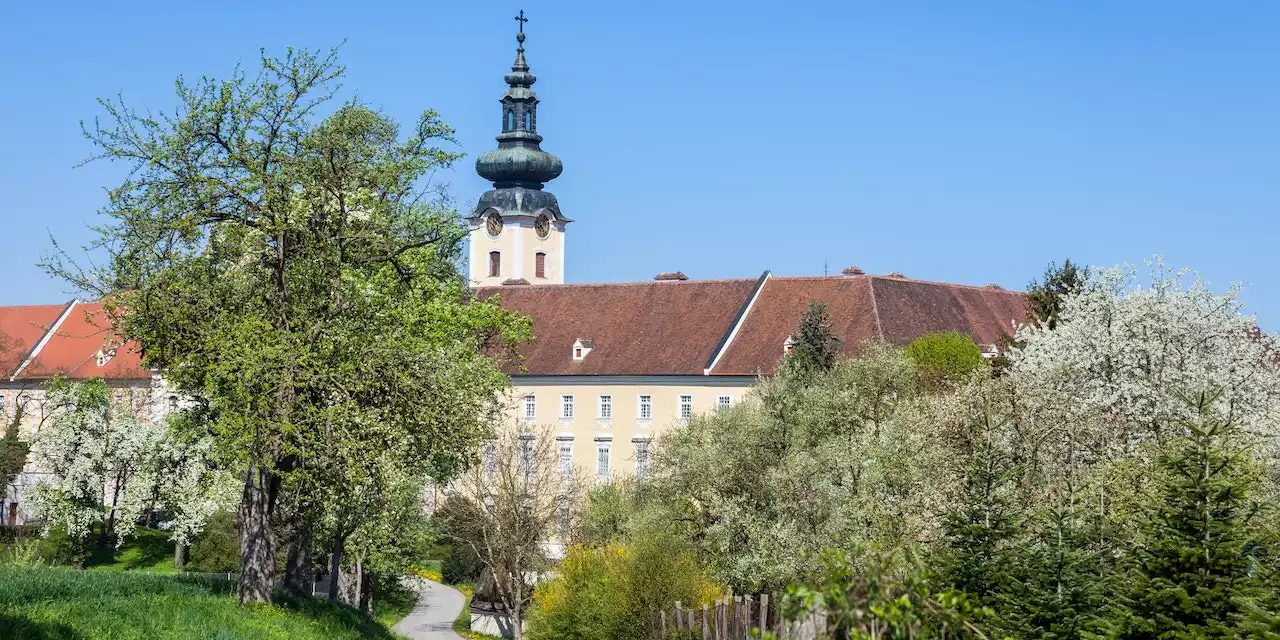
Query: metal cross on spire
521, 20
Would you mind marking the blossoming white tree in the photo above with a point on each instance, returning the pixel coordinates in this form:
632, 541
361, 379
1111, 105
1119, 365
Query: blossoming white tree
1126, 356
107, 466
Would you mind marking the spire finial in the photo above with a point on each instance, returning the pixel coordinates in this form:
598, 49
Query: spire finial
520, 20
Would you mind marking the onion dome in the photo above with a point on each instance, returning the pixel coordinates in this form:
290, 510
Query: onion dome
519, 161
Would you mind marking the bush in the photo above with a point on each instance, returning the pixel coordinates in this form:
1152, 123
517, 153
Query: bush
459, 564
613, 592
217, 548
944, 357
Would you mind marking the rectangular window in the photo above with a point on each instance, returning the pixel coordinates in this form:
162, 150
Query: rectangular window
723, 402
566, 407
646, 407
686, 407
602, 459
564, 523
526, 455
606, 407
566, 458
490, 457
642, 458
540, 264
530, 407
495, 264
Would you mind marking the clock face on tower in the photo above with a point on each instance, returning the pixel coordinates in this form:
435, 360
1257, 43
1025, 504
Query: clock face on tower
493, 224
542, 225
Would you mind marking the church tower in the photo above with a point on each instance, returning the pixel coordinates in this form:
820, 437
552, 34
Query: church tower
517, 230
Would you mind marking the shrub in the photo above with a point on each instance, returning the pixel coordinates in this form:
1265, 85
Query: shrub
613, 591
944, 357
459, 564
217, 548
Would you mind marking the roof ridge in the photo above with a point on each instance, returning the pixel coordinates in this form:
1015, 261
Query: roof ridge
875, 308
628, 283
44, 339
870, 276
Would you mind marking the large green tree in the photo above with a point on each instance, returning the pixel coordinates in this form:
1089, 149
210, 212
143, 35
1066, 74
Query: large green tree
281, 257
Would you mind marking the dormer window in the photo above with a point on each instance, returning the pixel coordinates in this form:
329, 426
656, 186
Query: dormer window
103, 356
581, 348
788, 346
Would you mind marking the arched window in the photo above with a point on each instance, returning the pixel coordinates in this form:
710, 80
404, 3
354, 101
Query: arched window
540, 264
511, 121
495, 264
526, 122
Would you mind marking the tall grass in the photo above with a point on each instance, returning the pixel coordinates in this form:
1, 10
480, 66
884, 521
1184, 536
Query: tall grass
62, 604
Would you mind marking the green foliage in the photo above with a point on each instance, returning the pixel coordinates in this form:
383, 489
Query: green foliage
62, 604
284, 262
460, 565
612, 591
13, 451
815, 345
1044, 297
876, 594
807, 462
216, 549
944, 357
985, 518
1193, 569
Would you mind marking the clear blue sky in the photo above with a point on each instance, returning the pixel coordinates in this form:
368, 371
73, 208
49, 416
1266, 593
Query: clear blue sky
971, 142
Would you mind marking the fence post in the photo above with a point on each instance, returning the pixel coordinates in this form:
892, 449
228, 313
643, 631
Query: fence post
705, 631
764, 612
662, 619
679, 618
777, 616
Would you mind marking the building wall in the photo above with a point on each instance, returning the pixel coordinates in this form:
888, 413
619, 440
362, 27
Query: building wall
148, 398
586, 430
519, 243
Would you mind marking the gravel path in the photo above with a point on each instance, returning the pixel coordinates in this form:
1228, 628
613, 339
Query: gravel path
432, 619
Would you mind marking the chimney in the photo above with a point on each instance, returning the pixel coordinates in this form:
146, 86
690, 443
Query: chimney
672, 275
852, 271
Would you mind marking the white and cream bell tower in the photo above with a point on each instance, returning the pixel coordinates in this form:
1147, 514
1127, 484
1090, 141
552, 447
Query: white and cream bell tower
517, 230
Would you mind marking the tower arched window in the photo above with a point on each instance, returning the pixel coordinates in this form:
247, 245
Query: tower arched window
495, 264
511, 121
527, 117
540, 264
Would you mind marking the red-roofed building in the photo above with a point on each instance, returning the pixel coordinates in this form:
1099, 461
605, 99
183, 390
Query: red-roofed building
612, 365
72, 340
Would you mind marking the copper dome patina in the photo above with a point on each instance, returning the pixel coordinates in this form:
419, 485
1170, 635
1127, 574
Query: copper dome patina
519, 166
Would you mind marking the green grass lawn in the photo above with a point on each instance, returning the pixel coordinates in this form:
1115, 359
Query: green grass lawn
146, 550
62, 604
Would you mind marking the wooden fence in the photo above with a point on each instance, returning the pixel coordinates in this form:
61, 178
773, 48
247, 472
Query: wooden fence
736, 618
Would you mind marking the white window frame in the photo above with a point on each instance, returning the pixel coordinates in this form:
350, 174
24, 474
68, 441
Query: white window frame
723, 401
644, 407
685, 408
566, 406
530, 407
563, 461
642, 461
604, 407
604, 464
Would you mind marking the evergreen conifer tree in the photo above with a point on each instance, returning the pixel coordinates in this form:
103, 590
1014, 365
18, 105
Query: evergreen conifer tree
815, 345
1044, 297
1191, 577
979, 530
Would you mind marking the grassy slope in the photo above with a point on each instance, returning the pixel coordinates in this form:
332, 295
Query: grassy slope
147, 550
61, 604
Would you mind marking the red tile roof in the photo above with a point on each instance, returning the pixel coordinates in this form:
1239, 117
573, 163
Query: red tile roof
670, 327
20, 331
72, 336
681, 327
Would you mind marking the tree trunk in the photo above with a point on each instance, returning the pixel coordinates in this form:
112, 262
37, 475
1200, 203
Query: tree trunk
179, 556
257, 540
335, 567
297, 568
